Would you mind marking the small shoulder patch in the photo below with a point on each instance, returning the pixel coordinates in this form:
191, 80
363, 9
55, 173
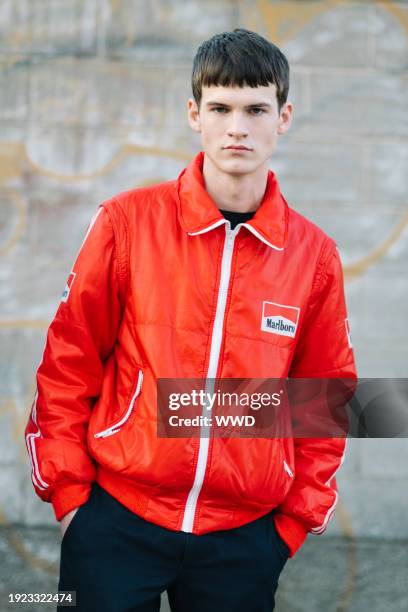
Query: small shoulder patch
69, 283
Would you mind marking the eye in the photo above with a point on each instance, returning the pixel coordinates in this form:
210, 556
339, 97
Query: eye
219, 109
256, 110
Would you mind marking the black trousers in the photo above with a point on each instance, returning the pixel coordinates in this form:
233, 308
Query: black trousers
118, 562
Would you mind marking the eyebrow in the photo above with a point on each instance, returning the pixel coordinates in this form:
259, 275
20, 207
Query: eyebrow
259, 105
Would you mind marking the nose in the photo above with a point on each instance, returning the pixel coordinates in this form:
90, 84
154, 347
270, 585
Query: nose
237, 126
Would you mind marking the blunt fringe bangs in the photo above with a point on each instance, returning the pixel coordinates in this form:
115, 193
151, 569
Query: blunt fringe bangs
239, 58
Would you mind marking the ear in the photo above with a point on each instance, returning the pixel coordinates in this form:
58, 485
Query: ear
193, 115
285, 117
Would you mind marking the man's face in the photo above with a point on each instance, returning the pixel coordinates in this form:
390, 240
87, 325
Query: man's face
246, 118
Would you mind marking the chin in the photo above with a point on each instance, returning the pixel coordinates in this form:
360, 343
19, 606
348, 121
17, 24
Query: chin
237, 166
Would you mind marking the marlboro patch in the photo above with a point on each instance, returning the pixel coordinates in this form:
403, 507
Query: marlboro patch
280, 319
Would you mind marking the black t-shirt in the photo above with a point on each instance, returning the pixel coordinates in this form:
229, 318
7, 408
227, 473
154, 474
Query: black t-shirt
237, 217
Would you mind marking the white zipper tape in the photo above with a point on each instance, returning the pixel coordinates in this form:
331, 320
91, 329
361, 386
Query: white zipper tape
216, 341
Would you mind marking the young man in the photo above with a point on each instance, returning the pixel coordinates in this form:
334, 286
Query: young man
176, 281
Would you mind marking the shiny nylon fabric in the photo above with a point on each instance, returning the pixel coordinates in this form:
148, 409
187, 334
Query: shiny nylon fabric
142, 305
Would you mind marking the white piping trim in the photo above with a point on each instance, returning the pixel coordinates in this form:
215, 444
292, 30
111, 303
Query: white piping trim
207, 229
216, 341
322, 527
258, 235
251, 229
117, 426
30, 442
35, 473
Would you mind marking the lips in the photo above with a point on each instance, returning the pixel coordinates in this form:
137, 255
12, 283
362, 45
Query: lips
238, 148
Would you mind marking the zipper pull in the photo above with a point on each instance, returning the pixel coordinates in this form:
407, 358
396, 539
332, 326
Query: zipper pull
287, 469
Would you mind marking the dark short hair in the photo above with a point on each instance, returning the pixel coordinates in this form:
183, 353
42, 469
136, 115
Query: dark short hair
240, 58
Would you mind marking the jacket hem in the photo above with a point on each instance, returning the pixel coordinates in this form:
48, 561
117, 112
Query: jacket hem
147, 505
124, 490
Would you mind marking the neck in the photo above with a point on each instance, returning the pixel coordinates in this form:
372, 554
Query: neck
235, 192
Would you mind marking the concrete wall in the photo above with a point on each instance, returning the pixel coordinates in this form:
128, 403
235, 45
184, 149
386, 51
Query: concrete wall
93, 101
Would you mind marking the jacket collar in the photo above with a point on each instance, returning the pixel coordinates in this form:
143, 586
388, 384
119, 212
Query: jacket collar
198, 212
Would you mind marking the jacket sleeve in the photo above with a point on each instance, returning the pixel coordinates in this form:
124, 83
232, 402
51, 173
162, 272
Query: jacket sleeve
79, 339
323, 351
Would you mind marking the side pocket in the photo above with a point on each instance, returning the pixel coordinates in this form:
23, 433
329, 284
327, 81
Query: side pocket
281, 545
112, 429
73, 521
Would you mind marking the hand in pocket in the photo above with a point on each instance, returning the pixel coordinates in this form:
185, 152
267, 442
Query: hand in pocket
65, 521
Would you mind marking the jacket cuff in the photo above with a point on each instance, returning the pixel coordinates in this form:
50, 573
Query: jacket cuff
291, 531
69, 495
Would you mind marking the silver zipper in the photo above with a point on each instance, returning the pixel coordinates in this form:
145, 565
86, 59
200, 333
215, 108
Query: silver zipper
116, 427
216, 340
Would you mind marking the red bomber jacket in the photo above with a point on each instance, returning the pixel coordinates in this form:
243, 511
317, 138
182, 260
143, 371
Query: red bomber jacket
163, 288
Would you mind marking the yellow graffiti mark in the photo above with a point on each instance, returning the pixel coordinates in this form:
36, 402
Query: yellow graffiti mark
30, 558
397, 11
351, 556
11, 155
350, 582
18, 421
357, 269
115, 5
12, 60
24, 323
126, 150
351, 271
20, 224
48, 104
9, 166
150, 181
284, 20
10, 532
8, 407
21, 549
19, 37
